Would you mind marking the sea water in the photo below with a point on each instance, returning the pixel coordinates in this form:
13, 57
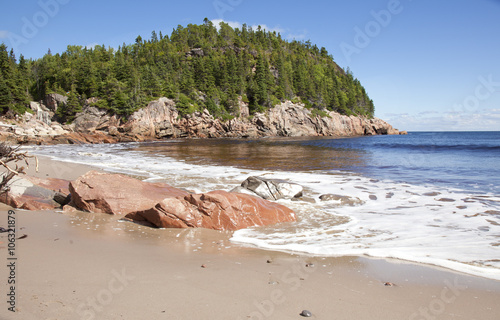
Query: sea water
428, 197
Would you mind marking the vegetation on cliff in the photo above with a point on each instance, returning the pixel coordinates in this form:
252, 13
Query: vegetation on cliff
200, 66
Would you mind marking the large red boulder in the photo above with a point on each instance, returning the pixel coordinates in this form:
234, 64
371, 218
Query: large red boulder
117, 194
219, 210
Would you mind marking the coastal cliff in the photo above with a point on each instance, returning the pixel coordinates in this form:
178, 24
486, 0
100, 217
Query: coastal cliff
160, 119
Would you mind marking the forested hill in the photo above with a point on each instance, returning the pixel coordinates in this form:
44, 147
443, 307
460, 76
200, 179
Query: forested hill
200, 66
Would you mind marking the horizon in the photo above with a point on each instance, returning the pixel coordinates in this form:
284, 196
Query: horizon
406, 54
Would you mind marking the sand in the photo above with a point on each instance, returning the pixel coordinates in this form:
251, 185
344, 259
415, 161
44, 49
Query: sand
94, 266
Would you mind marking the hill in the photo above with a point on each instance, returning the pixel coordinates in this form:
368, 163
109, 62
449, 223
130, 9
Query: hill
199, 66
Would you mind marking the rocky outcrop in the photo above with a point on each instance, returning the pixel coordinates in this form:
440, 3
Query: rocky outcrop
93, 119
33, 193
117, 194
219, 210
54, 100
163, 206
269, 189
161, 120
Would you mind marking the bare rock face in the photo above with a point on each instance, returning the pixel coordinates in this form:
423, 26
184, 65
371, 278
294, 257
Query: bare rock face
41, 112
54, 100
31, 193
270, 189
161, 120
157, 119
219, 210
117, 194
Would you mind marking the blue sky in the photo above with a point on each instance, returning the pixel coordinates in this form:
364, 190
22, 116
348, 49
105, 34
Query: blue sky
427, 65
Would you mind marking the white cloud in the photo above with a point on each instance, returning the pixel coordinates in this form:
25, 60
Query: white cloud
236, 24
484, 119
232, 24
91, 45
4, 34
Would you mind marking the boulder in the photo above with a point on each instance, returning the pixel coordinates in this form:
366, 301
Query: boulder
54, 100
342, 200
33, 193
90, 118
117, 194
271, 189
219, 210
41, 112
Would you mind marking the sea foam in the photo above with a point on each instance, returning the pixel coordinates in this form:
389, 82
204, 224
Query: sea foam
428, 224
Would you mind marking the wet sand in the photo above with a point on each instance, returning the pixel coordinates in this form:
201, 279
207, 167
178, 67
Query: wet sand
94, 266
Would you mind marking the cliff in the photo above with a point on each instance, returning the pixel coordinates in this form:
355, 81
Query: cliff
160, 119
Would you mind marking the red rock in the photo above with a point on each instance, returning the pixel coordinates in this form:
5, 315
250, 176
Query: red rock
117, 194
31, 193
219, 210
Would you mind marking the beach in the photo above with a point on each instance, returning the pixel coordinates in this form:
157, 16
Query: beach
94, 266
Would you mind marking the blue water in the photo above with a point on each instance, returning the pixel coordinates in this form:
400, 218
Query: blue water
429, 197
464, 160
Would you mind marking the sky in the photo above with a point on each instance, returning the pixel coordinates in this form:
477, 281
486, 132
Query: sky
428, 65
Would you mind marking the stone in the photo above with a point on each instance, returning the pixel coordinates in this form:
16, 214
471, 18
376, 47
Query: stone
272, 189
219, 210
117, 194
306, 313
342, 200
160, 120
54, 100
32, 193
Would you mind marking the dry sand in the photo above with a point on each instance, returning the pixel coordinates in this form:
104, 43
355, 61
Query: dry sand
94, 266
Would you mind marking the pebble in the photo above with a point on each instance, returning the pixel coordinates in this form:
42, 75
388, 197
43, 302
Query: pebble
306, 313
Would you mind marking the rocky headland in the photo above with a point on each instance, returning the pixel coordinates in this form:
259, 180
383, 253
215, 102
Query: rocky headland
160, 119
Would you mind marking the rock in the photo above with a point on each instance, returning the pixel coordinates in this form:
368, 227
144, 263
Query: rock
54, 100
160, 119
272, 189
219, 210
306, 313
33, 193
342, 200
41, 112
90, 118
62, 198
117, 194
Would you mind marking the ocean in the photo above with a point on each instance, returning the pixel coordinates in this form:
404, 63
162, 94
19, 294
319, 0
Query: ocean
427, 197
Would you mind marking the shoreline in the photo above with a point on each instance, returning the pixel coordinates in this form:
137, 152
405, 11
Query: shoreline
71, 264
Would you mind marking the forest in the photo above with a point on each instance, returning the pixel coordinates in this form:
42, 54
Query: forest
199, 66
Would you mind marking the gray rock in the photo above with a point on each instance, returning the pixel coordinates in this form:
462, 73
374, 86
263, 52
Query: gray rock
272, 189
342, 200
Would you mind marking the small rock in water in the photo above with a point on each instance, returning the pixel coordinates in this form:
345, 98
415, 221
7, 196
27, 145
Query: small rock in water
306, 313
309, 265
269, 261
373, 197
389, 284
446, 200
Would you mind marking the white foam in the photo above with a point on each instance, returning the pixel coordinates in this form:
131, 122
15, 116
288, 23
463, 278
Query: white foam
449, 229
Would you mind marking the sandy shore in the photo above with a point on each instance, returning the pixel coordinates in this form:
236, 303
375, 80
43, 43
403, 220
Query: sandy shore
93, 266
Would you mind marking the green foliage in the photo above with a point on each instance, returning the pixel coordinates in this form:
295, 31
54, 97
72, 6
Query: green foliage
320, 113
220, 64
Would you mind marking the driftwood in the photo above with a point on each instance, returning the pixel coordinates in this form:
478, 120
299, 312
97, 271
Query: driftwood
9, 156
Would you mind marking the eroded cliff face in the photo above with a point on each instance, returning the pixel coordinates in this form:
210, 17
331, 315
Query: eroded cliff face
161, 120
